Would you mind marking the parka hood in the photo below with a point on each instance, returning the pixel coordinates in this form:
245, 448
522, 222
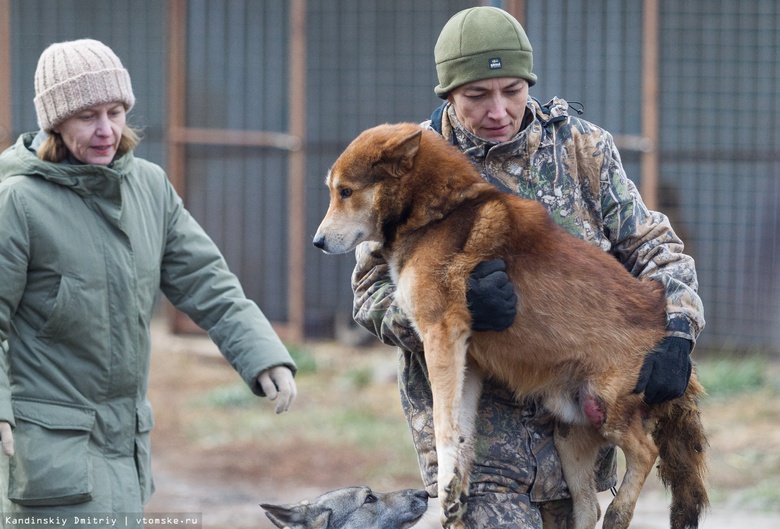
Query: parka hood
555, 110
84, 179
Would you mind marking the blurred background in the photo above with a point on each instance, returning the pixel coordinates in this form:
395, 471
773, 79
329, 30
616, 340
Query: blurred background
247, 103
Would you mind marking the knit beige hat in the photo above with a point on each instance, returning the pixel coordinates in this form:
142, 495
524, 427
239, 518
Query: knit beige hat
75, 75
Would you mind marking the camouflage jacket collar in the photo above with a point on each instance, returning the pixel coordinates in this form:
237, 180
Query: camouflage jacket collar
527, 140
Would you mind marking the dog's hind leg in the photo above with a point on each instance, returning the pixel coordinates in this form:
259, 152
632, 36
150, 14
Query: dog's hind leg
578, 448
640, 453
455, 391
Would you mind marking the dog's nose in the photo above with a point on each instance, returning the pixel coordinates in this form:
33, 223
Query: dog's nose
319, 241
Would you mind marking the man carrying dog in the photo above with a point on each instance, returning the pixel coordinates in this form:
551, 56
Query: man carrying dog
484, 64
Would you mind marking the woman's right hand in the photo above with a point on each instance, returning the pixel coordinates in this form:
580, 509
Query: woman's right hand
7, 437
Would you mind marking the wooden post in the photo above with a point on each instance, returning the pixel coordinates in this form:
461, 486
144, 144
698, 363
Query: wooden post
176, 91
176, 103
296, 289
648, 186
516, 8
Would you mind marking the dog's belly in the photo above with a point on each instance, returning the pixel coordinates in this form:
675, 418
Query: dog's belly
565, 409
558, 387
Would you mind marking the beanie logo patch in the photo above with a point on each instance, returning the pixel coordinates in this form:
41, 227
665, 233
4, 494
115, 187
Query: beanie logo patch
494, 63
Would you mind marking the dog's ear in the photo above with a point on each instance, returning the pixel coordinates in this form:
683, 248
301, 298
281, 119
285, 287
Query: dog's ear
298, 516
398, 158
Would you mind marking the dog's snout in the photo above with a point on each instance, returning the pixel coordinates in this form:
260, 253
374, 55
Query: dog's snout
319, 241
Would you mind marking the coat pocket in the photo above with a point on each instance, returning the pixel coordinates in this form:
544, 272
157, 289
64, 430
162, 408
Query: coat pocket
51, 466
143, 454
61, 311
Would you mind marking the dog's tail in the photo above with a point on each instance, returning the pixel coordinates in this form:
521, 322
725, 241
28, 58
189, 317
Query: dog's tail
682, 445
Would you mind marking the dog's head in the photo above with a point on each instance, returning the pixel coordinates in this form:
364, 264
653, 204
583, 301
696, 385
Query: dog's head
366, 186
352, 508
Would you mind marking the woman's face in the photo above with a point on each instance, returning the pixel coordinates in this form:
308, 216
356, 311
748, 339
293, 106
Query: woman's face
492, 109
93, 135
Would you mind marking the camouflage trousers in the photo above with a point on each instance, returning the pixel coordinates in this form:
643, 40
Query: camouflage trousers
517, 480
495, 510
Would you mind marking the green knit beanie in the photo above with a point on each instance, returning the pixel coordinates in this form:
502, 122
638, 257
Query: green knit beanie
481, 43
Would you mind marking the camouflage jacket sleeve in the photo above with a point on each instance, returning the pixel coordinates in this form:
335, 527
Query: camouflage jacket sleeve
644, 241
374, 306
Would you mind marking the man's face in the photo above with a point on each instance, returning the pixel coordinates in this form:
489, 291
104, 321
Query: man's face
492, 109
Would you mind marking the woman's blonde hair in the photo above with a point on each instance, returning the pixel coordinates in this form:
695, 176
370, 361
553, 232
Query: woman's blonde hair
54, 149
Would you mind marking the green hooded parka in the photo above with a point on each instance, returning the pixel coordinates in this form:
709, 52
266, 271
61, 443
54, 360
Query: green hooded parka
84, 253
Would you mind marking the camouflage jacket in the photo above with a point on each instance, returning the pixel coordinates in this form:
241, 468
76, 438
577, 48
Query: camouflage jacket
574, 169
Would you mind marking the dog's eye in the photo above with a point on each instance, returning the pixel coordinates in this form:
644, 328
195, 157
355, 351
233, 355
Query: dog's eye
370, 499
345, 192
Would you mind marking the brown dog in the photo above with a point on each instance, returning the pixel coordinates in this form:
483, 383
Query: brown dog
583, 328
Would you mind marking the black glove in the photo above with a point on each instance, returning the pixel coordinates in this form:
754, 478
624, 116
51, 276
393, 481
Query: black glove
491, 298
666, 371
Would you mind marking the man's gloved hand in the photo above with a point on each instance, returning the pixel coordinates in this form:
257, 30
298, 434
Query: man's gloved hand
491, 297
278, 384
666, 371
7, 437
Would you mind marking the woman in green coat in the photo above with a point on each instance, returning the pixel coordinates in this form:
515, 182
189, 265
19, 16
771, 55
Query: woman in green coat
90, 235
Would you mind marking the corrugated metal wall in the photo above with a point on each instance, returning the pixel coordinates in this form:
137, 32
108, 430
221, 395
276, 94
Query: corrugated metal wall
591, 52
134, 29
370, 61
237, 80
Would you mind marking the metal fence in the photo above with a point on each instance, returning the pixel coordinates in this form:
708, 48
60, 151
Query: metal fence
371, 61
721, 160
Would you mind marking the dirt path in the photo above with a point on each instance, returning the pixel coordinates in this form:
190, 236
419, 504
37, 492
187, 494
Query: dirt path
226, 505
652, 513
197, 471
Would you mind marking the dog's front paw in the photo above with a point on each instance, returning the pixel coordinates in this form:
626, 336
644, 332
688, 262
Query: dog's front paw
453, 502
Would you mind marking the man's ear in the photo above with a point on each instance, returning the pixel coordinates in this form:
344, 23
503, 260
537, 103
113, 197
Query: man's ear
398, 158
298, 516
